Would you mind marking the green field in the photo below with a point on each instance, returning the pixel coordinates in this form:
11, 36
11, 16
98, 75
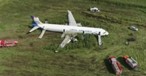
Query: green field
36, 57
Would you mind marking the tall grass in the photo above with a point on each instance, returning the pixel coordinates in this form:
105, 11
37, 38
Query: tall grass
36, 57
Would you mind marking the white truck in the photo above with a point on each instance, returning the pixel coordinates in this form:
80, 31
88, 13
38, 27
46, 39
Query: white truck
130, 61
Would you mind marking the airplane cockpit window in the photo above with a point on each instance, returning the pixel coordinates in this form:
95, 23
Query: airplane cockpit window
104, 33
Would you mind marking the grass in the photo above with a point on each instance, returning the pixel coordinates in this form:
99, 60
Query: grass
36, 57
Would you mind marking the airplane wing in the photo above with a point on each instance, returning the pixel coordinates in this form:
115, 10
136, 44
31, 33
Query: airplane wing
69, 37
65, 41
71, 19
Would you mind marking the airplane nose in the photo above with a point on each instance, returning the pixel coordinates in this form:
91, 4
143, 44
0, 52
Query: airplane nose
107, 33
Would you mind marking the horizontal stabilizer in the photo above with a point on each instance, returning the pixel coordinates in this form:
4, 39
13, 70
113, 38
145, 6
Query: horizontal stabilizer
34, 28
42, 34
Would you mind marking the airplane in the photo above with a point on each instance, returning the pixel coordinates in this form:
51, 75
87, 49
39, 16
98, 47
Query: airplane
69, 31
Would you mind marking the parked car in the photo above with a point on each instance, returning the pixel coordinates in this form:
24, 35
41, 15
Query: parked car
133, 28
94, 9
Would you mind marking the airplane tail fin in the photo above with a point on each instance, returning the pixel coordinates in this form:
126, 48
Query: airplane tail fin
36, 21
35, 24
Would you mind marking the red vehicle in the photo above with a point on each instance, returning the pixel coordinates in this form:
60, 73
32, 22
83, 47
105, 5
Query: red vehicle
130, 61
7, 43
117, 67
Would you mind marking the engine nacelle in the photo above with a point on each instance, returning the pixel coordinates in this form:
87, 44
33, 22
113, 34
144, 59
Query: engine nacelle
74, 39
79, 24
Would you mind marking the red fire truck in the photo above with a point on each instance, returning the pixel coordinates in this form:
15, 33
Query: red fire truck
117, 67
8, 43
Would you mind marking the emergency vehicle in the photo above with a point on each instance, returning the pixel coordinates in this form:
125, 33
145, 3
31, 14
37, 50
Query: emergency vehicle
130, 61
117, 67
8, 43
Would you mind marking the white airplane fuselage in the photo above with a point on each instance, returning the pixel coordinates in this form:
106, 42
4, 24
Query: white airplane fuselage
73, 29
69, 32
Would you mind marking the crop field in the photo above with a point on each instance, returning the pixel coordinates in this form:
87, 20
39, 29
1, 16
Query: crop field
36, 57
